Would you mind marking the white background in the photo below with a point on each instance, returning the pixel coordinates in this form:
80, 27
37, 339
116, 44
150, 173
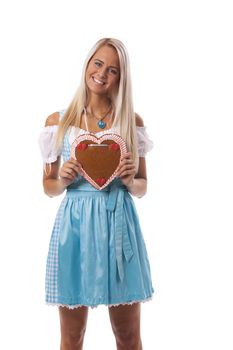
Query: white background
181, 57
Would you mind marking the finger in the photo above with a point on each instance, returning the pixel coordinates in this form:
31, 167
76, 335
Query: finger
126, 170
78, 169
66, 176
127, 173
127, 160
71, 164
74, 162
126, 163
127, 156
74, 165
120, 171
68, 171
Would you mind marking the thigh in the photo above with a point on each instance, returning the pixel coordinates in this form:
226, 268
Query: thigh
73, 319
125, 317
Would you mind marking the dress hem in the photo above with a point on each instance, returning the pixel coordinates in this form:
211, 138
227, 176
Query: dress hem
95, 306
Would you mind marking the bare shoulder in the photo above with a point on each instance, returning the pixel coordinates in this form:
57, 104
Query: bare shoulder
139, 120
53, 119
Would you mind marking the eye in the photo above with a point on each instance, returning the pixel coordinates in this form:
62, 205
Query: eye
97, 64
113, 71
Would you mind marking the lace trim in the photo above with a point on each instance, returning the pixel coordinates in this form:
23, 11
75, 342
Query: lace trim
131, 302
95, 306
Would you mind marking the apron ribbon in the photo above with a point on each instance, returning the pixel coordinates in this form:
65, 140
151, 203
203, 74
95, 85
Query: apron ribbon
115, 204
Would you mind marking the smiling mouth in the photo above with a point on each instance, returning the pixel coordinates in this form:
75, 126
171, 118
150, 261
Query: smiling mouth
97, 81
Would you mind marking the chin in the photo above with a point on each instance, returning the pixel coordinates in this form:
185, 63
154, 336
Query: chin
97, 90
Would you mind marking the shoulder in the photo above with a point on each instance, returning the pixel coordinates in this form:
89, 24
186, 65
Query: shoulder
52, 119
138, 120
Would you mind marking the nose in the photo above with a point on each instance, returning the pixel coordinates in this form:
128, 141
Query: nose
102, 71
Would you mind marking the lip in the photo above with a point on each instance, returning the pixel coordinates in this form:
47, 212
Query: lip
97, 81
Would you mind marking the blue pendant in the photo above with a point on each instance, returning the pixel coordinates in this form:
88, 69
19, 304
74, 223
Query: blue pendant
101, 124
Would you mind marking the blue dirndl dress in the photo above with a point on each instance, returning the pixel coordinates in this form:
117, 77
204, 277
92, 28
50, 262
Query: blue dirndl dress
97, 254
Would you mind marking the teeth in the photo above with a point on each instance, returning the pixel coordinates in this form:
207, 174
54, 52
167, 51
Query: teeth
98, 81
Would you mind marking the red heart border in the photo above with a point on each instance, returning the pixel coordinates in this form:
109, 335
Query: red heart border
91, 137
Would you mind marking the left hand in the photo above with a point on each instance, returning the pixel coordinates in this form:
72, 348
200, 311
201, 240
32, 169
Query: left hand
127, 169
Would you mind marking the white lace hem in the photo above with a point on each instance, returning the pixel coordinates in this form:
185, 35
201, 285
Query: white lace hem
95, 306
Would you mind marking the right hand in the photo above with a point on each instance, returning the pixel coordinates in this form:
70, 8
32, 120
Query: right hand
69, 171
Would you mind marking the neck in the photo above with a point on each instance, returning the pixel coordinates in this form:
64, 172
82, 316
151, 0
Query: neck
98, 104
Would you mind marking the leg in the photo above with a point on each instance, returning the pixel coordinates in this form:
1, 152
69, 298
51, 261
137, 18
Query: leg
125, 322
73, 326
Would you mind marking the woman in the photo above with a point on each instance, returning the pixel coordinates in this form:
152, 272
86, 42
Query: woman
97, 253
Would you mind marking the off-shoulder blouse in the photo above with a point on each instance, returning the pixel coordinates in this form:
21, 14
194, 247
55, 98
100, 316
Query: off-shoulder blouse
50, 153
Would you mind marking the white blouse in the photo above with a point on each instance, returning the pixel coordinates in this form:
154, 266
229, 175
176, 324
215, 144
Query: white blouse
50, 153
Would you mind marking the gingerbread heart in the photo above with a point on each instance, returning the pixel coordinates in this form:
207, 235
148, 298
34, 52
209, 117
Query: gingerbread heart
99, 157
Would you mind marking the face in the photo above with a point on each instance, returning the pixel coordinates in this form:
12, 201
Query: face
103, 71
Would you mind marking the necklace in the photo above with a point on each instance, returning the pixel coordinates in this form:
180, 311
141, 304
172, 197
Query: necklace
101, 124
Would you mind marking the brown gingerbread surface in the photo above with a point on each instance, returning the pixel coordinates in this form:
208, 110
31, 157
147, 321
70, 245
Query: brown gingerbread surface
99, 157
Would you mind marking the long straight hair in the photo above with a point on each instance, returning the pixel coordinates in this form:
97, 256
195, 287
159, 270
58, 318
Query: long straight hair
121, 100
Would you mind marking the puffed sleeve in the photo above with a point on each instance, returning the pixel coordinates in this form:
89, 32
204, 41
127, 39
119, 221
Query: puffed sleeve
144, 143
47, 145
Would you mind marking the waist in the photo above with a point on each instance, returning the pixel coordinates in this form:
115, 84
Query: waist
87, 192
83, 186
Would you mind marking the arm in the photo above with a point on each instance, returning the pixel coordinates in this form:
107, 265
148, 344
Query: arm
138, 185
51, 182
136, 182
56, 177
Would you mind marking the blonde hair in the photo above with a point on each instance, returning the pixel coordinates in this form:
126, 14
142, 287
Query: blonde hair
122, 99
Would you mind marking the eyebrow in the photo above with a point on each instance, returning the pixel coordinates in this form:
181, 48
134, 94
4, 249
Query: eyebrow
97, 59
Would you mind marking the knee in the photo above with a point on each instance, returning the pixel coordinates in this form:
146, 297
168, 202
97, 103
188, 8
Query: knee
72, 338
128, 338
73, 327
